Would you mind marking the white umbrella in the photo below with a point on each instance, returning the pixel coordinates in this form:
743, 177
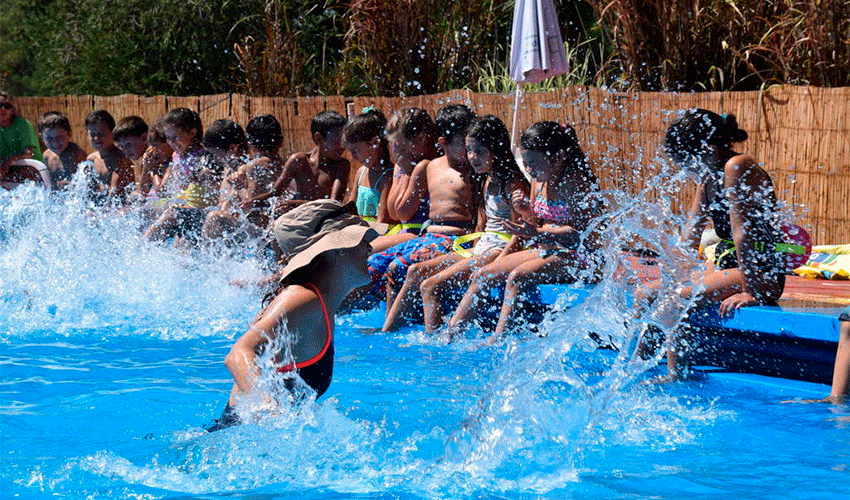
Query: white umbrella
537, 48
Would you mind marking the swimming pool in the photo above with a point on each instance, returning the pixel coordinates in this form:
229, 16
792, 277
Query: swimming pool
111, 356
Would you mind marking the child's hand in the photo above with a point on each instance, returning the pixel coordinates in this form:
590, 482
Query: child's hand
523, 229
737, 301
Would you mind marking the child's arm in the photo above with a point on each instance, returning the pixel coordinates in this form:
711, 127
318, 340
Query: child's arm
383, 209
406, 204
340, 184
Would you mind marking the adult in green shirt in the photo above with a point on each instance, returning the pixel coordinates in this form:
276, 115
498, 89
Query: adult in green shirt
17, 136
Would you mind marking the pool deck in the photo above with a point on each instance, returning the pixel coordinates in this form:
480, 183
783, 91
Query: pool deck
795, 339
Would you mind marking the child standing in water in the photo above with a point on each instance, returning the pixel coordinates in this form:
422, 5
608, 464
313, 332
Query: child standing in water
365, 140
325, 250
563, 242
505, 194
737, 196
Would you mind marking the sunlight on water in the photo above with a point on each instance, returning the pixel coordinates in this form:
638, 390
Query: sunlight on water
110, 331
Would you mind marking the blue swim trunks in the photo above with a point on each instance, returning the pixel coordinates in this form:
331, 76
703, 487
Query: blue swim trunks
400, 257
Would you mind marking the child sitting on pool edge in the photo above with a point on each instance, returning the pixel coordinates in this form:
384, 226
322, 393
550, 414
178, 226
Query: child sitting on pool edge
449, 185
112, 172
365, 140
562, 243
243, 208
62, 155
193, 180
131, 136
505, 194
319, 173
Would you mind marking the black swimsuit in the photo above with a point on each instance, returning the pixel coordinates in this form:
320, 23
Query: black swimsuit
763, 233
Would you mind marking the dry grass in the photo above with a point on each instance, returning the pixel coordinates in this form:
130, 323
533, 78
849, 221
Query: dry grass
726, 44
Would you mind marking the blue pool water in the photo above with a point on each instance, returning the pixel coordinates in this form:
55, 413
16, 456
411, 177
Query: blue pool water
111, 356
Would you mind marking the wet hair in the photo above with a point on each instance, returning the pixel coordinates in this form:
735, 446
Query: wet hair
130, 126
551, 138
185, 119
264, 133
696, 128
156, 134
490, 131
100, 116
453, 120
54, 119
365, 127
326, 121
410, 122
224, 133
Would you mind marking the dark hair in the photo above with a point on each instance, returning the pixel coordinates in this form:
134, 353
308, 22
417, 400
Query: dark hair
224, 133
156, 133
551, 138
100, 116
130, 126
697, 128
185, 119
326, 121
54, 119
264, 133
490, 131
365, 126
410, 122
453, 120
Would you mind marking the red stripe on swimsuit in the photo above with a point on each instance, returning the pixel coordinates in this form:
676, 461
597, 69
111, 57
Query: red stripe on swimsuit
315, 359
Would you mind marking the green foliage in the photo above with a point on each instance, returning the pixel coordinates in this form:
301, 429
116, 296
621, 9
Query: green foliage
406, 47
90, 46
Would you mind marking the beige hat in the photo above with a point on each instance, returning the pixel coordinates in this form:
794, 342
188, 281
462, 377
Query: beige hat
316, 227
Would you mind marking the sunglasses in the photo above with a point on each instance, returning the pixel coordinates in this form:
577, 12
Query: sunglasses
6, 105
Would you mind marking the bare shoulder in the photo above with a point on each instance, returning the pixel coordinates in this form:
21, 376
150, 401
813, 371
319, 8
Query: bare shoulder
743, 169
436, 165
298, 160
740, 166
425, 166
297, 305
94, 157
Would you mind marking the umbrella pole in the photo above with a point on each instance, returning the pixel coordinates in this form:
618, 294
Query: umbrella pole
517, 101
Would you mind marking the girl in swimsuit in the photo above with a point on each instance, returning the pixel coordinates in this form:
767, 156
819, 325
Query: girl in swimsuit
364, 139
505, 193
561, 241
737, 196
329, 248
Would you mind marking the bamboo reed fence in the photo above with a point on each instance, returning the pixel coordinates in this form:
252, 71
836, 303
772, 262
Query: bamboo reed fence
800, 134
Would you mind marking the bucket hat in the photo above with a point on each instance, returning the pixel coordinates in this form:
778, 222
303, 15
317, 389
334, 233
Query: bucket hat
316, 227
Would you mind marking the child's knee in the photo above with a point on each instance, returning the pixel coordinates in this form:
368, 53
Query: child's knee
430, 286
